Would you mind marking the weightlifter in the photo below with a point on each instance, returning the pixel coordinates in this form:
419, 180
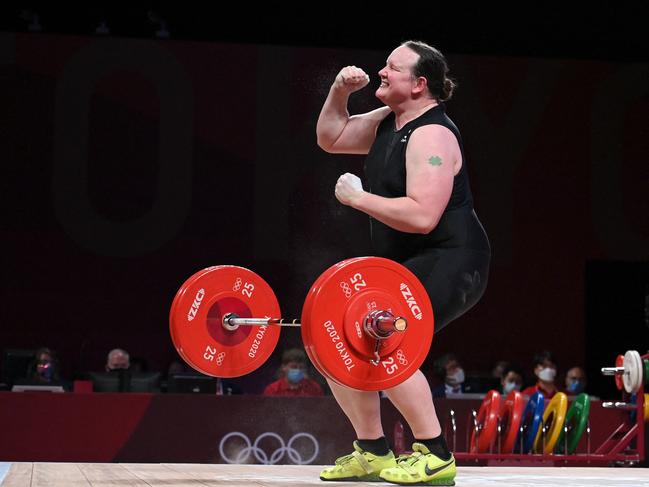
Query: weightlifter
421, 215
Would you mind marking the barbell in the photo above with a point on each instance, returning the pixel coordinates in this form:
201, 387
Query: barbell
631, 369
366, 323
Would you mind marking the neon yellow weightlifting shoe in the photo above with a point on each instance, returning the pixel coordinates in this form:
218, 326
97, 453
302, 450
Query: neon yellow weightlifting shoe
421, 468
360, 465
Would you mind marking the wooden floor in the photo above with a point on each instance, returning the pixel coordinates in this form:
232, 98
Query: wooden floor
195, 475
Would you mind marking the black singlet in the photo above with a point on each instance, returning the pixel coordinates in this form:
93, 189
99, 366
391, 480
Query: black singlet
452, 261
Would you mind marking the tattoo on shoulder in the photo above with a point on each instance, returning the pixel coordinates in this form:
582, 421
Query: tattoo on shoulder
435, 161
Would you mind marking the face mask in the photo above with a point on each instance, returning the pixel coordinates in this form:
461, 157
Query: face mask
294, 375
46, 371
117, 369
510, 386
547, 374
575, 387
456, 378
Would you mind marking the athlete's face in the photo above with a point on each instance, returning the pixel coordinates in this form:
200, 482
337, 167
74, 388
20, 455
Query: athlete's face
397, 81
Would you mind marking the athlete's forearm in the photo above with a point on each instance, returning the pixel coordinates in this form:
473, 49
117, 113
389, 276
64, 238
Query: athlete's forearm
333, 117
403, 214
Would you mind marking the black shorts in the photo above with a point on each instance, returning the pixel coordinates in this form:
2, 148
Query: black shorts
455, 279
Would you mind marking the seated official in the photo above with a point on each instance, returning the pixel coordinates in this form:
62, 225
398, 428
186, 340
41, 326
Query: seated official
121, 376
43, 370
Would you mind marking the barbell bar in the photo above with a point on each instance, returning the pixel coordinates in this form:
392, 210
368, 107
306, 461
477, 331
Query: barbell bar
379, 324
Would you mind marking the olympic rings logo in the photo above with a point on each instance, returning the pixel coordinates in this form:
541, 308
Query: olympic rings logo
401, 357
260, 454
237, 284
219, 358
346, 289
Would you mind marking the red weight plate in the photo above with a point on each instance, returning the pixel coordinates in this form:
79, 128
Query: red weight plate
341, 298
511, 416
175, 302
619, 381
306, 337
487, 423
306, 309
195, 321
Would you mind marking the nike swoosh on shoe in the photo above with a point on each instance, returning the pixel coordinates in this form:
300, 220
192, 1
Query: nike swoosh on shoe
437, 469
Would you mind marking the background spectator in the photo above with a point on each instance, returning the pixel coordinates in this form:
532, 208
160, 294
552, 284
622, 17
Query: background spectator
293, 378
575, 380
545, 370
511, 380
450, 371
44, 370
118, 359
